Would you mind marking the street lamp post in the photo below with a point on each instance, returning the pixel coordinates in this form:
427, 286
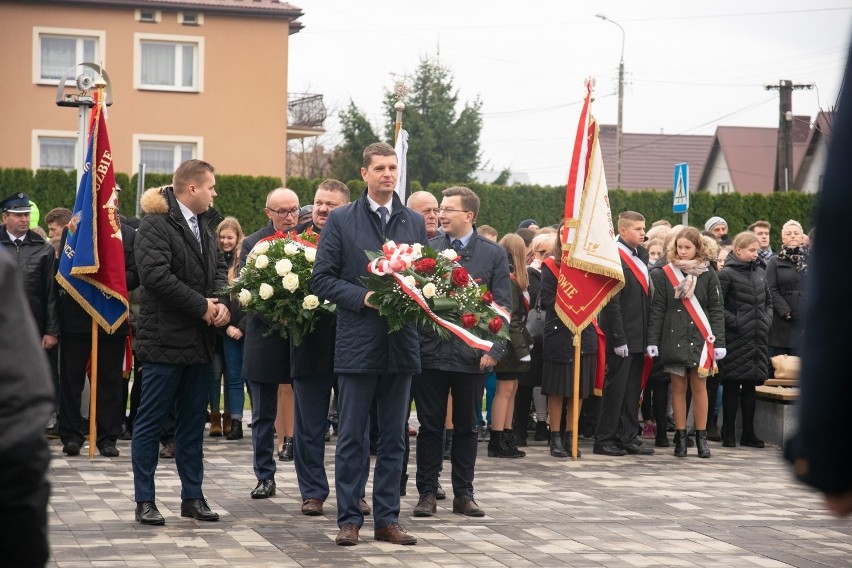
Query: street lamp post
619, 127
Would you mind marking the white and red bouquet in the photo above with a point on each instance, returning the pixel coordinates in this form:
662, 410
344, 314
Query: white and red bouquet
412, 284
276, 283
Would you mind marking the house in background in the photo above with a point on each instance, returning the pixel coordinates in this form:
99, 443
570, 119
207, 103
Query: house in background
810, 172
190, 79
648, 160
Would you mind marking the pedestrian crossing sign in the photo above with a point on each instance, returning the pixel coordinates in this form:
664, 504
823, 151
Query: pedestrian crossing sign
680, 202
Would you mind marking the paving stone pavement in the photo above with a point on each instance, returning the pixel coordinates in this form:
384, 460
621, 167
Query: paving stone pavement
741, 508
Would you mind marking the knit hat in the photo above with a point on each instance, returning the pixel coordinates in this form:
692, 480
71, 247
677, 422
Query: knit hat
525, 224
713, 221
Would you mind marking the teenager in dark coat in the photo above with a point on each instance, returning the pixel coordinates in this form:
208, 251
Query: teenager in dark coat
748, 315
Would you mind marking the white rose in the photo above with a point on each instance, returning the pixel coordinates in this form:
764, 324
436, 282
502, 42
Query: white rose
290, 282
266, 291
310, 302
261, 262
418, 250
429, 290
449, 254
260, 248
244, 297
283, 267
290, 249
310, 254
410, 279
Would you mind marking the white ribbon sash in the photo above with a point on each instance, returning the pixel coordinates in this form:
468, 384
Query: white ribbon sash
706, 365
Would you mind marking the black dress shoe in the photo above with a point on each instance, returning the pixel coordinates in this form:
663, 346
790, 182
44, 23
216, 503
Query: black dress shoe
109, 451
147, 514
637, 450
198, 510
608, 450
264, 489
71, 448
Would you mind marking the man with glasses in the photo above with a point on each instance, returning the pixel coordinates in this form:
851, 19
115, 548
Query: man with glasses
266, 359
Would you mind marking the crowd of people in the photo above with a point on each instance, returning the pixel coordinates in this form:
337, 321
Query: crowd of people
699, 313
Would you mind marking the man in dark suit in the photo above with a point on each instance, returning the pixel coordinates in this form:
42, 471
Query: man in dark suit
625, 321
312, 368
181, 270
369, 361
266, 356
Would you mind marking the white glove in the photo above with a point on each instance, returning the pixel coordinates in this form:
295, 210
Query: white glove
719, 353
622, 351
526, 359
652, 351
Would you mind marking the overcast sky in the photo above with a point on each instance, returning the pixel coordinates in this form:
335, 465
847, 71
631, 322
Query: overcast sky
690, 66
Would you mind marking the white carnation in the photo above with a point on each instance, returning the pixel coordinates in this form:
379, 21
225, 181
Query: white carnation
291, 249
429, 289
244, 297
290, 282
260, 248
310, 254
266, 291
261, 262
283, 267
310, 302
449, 254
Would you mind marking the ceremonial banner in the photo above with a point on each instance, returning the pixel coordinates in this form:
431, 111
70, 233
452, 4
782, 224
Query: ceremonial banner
590, 271
91, 264
402, 164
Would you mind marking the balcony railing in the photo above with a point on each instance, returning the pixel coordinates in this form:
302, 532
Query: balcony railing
305, 110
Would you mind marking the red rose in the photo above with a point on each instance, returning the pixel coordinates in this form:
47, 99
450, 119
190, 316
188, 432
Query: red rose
488, 297
425, 265
496, 324
460, 277
468, 320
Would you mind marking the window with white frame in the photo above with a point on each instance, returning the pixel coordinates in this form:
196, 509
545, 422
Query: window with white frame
169, 62
163, 156
723, 187
54, 149
56, 50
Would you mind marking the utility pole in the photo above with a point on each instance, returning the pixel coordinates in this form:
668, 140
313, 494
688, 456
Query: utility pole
784, 156
619, 145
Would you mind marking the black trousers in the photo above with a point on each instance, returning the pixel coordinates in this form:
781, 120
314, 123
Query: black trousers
618, 422
73, 358
431, 388
24, 491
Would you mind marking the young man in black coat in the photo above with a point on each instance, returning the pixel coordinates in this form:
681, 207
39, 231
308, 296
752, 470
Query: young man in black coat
369, 361
625, 321
181, 270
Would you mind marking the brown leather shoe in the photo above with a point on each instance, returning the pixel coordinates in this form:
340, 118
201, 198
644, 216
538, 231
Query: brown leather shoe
426, 506
464, 505
365, 508
348, 535
312, 507
394, 534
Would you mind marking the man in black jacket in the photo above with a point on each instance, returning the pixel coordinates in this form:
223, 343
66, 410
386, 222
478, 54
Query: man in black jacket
625, 321
452, 366
266, 356
369, 361
182, 271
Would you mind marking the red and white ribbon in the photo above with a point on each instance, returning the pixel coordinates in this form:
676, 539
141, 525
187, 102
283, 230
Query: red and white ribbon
706, 365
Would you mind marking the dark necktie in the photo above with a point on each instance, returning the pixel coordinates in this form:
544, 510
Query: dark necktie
383, 213
457, 246
193, 223
18, 242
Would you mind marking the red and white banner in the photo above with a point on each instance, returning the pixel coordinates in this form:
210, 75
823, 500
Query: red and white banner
706, 365
590, 270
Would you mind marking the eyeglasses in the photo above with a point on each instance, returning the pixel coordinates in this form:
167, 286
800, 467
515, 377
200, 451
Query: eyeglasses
448, 210
285, 212
432, 210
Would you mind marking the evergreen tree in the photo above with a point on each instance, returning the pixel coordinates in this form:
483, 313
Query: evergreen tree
357, 134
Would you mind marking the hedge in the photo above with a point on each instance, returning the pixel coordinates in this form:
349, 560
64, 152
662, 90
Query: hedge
501, 207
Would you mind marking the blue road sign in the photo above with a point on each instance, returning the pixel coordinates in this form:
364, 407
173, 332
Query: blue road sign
680, 201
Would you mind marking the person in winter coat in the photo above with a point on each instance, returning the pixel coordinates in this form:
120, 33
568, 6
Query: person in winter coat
687, 331
748, 315
181, 270
786, 273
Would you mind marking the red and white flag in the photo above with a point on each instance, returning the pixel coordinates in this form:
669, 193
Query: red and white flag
590, 270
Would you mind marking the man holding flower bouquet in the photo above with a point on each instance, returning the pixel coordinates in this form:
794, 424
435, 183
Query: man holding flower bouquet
369, 361
451, 366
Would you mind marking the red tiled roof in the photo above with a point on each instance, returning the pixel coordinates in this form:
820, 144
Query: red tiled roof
648, 159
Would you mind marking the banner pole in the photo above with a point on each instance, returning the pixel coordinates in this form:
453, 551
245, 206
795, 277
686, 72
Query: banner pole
93, 391
575, 414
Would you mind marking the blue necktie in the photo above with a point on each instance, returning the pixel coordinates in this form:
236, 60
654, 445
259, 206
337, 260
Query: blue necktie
383, 213
457, 246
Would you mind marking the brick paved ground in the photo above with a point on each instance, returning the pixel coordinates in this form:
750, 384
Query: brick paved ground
740, 508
